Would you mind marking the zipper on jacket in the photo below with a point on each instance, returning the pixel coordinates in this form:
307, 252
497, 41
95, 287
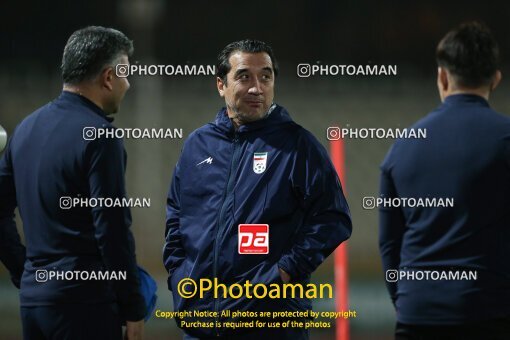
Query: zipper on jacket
221, 225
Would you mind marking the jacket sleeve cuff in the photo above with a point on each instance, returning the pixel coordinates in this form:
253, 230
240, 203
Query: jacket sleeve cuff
135, 310
290, 267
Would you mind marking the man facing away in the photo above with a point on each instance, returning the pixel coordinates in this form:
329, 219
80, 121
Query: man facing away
251, 165
465, 158
51, 158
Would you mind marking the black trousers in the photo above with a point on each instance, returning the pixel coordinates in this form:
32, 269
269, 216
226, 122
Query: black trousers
71, 322
496, 329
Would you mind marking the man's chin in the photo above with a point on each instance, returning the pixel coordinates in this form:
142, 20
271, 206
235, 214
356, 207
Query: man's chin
253, 116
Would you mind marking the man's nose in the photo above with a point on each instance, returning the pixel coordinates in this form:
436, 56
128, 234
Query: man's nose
255, 87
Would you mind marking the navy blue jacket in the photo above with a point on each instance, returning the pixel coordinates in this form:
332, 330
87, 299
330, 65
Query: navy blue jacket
12, 251
48, 158
466, 156
298, 195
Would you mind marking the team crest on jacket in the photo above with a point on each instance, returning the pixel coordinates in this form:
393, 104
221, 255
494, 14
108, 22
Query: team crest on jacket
259, 162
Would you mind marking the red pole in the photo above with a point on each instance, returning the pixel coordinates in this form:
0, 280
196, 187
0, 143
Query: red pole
341, 257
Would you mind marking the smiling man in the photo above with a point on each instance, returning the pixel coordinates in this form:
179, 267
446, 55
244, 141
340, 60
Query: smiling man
254, 197
247, 101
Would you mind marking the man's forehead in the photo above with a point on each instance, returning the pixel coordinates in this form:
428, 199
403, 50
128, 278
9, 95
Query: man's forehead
247, 60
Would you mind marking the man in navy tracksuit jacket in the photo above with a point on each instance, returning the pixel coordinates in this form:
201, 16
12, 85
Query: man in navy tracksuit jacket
12, 251
48, 158
252, 165
465, 157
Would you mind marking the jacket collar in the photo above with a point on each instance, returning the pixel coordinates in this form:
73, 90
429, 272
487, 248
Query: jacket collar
459, 99
79, 99
276, 115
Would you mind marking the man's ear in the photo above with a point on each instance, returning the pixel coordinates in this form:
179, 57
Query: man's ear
106, 78
221, 86
442, 79
496, 80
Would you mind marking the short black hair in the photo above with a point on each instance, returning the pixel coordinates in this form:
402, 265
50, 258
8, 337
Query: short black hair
249, 46
470, 53
90, 49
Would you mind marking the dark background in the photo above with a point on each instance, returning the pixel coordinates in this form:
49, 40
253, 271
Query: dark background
405, 33
397, 32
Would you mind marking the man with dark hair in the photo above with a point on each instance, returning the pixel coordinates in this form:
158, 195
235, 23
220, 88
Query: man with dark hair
49, 160
470, 55
254, 199
447, 267
223, 66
